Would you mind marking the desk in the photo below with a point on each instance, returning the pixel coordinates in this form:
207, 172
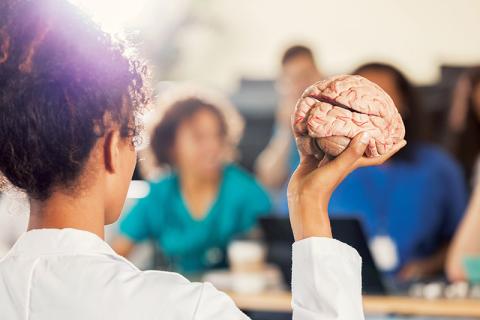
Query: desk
280, 302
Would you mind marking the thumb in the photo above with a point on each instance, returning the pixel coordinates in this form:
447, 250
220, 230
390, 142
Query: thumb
334, 171
345, 162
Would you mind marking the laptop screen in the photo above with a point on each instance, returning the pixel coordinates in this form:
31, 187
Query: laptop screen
279, 238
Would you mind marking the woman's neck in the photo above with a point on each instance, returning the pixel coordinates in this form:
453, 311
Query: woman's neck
61, 211
199, 192
195, 182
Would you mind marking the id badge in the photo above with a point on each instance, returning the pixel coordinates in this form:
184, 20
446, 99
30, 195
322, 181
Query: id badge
384, 251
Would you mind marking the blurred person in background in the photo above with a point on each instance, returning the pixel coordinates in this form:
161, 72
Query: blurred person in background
464, 124
464, 142
276, 163
203, 201
423, 193
463, 261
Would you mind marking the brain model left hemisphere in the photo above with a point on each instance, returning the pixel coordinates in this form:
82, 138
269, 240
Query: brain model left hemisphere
333, 111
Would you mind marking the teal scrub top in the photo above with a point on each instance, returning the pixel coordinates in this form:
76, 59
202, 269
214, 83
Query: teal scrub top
472, 269
194, 245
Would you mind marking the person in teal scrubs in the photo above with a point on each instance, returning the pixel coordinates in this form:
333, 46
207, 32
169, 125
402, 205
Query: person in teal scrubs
204, 202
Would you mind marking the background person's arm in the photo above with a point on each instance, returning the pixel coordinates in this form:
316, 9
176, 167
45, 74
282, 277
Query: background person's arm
123, 246
428, 266
272, 165
467, 239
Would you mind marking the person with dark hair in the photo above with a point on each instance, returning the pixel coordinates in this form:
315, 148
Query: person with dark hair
69, 101
464, 124
464, 135
205, 200
277, 161
295, 52
425, 194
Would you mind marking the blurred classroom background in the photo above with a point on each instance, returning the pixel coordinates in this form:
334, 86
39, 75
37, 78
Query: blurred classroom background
223, 169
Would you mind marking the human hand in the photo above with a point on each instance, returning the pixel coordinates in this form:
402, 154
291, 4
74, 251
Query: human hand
314, 181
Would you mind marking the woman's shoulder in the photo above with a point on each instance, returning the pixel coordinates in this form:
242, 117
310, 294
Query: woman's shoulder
142, 289
237, 174
432, 152
162, 185
435, 156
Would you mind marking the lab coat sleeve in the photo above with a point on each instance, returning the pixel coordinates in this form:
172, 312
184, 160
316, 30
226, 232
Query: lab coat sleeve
326, 284
326, 280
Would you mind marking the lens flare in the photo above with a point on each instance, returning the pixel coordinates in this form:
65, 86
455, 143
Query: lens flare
114, 15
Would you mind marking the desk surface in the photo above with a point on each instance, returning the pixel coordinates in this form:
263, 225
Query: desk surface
280, 302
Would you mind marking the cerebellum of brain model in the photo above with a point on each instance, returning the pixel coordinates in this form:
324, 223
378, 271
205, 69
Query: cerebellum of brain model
333, 111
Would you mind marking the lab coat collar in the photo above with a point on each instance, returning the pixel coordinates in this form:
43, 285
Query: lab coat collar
57, 241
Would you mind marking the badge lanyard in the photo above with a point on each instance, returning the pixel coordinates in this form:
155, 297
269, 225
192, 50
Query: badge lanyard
383, 247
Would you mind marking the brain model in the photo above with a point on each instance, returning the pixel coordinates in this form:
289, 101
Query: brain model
333, 111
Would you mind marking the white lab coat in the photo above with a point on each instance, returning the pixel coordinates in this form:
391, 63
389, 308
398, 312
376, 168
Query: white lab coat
70, 274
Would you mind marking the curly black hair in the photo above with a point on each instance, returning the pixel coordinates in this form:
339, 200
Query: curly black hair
63, 82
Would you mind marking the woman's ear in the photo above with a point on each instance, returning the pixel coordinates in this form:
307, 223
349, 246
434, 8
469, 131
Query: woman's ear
111, 151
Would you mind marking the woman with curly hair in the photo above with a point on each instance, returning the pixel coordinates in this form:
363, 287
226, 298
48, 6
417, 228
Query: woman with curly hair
69, 100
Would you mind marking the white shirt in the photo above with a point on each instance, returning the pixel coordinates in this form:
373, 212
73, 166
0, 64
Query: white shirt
70, 274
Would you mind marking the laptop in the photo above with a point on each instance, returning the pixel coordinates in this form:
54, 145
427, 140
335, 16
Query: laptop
279, 238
